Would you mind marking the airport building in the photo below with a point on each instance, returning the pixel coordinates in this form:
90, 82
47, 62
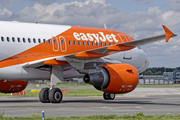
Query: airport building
168, 75
166, 78
175, 76
154, 80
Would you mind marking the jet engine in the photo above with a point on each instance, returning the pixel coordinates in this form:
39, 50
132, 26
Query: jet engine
12, 86
114, 78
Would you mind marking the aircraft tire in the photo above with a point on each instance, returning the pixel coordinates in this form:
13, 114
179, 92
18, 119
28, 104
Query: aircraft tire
44, 95
55, 95
105, 96
111, 96
108, 96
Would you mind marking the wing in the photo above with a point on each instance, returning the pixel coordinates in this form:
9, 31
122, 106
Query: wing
168, 34
101, 52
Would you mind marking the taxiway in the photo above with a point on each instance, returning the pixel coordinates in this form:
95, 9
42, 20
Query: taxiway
149, 100
86, 106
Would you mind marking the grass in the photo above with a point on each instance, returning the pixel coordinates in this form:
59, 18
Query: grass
68, 84
71, 92
138, 116
73, 84
173, 85
83, 92
79, 92
82, 84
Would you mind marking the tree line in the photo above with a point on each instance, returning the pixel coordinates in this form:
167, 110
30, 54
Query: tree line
158, 70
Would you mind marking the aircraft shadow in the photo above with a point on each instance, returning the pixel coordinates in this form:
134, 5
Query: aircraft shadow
118, 102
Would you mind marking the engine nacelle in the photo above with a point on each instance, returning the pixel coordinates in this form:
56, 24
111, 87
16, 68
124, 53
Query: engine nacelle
114, 78
12, 86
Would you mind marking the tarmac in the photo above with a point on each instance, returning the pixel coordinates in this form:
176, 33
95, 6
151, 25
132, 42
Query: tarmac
150, 101
155, 91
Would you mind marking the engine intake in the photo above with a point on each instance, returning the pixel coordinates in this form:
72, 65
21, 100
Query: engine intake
99, 80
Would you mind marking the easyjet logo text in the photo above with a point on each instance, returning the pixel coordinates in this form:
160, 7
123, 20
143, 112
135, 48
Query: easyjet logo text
95, 37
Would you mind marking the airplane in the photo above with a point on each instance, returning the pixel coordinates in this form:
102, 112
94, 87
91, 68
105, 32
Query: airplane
107, 59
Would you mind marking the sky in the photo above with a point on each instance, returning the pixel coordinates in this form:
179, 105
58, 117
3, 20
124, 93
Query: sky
137, 18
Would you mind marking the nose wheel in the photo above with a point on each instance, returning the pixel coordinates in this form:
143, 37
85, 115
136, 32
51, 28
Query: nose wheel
108, 96
54, 95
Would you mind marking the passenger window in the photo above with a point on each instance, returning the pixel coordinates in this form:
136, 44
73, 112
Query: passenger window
13, 39
97, 44
88, 43
101, 44
69, 42
92, 43
39, 40
113, 43
79, 43
8, 39
74, 42
29, 40
24, 40
83, 43
18, 39
44, 41
105, 44
49, 41
2, 38
55, 41
109, 43
34, 40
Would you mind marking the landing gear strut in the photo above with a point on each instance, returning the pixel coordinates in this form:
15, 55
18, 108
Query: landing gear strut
108, 96
53, 94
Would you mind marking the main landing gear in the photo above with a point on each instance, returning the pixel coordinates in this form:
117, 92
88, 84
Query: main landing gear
54, 95
108, 96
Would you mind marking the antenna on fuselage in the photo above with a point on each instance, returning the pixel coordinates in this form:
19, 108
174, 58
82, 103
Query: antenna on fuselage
105, 26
